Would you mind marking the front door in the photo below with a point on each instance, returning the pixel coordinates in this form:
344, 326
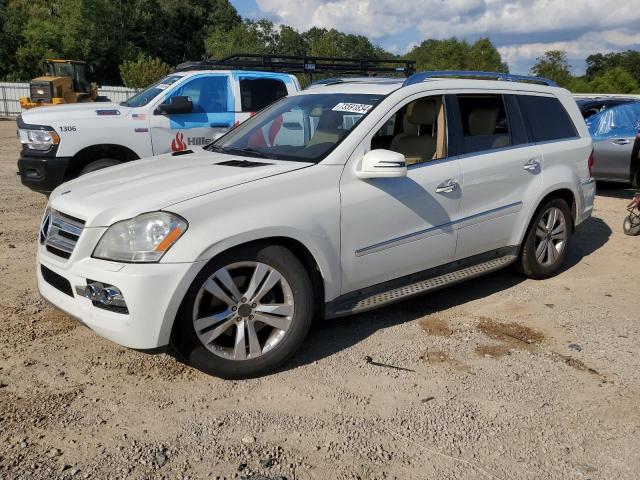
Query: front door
392, 227
212, 115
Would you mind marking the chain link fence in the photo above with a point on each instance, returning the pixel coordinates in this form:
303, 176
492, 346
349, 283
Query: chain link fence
10, 94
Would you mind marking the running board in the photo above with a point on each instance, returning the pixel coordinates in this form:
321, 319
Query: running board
360, 302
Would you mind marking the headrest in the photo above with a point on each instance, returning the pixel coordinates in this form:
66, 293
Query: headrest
330, 120
483, 121
423, 112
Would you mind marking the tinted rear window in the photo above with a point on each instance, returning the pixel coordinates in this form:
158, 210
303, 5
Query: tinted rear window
547, 118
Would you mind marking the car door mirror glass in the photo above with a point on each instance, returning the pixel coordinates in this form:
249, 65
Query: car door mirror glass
382, 163
178, 104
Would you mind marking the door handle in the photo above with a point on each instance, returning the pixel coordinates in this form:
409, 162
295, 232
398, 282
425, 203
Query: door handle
447, 186
621, 141
219, 125
532, 165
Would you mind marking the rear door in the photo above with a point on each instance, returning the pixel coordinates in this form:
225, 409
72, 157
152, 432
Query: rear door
612, 155
500, 167
212, 115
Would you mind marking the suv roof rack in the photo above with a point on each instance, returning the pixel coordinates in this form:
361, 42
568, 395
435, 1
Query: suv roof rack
304, 64
508, 77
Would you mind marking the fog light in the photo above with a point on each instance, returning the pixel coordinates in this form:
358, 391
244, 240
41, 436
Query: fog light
100, 293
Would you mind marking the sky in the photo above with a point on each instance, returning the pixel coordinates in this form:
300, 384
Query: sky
521, 29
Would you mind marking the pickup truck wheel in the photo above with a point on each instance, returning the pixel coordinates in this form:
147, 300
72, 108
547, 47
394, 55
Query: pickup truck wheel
99, 165
546, 243
246, 313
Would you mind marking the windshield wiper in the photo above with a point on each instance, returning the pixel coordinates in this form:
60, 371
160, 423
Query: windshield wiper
252, 152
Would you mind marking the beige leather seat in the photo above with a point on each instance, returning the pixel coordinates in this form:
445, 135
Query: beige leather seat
416, 142
328, 129
483, 122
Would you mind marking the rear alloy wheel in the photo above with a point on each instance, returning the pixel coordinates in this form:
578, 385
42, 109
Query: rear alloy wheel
631, 225
547, 240
246, 313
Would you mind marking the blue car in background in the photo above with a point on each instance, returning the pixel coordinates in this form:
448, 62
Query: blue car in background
616, 143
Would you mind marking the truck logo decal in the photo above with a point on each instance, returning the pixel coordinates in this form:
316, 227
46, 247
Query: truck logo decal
177, 143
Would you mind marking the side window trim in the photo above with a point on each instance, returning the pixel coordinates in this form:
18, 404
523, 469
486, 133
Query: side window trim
454, 123
519, 129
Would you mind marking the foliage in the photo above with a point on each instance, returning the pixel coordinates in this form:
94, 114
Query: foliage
554, 66
136, 41
454, 54
143, 71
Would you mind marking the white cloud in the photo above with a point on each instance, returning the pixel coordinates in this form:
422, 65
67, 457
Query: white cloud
600, 25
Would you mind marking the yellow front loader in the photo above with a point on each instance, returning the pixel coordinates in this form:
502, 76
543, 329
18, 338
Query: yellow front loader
65, 81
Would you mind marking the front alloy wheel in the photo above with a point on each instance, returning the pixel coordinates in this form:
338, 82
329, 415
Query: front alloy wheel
245, 313
243, 310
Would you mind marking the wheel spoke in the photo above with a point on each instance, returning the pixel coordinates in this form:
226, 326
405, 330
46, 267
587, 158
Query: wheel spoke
254, 344
256, 280
559, 229
214, 289
230, 285
205, 322
540, 250
281, 323
284, 309
541, 232
551, 219
219, 330
558, 236
240, 348
552, 252
270, 282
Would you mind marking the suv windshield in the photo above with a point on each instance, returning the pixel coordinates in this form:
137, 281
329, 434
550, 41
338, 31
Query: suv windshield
302, 127
140, 99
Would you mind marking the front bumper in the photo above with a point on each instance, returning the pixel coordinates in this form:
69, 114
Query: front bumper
42, 174
153, 293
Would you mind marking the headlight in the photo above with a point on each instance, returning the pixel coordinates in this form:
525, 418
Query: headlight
143, 239
38, 139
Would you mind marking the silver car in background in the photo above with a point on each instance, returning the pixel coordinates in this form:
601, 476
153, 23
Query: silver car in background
616, 143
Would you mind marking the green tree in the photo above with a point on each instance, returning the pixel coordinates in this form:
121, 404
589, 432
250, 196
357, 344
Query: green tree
454, 54
143, 71
554, 66
248, 37
598, 63
614, 80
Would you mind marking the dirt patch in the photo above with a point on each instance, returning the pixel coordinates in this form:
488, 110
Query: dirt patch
493, 350
436, 326
439, 357
510, 332
578, 365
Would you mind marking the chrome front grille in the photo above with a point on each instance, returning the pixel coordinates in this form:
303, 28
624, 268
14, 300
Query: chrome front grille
63, 233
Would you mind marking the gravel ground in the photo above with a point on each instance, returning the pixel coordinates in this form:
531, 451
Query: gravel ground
495, 378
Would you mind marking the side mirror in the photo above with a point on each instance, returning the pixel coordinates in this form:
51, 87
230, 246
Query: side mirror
382, 164
175, 105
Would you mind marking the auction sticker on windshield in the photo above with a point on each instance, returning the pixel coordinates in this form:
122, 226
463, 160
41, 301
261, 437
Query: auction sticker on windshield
352, 107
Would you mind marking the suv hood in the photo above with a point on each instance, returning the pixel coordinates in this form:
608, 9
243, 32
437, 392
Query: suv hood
117, 193
51, 116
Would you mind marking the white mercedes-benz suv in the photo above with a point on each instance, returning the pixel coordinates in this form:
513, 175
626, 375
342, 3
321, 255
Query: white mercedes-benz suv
338, 199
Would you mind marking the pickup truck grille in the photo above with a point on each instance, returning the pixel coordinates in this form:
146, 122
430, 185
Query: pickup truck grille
63, 234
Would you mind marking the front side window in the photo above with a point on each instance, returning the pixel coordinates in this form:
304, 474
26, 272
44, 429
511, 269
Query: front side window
209, 93
484, 122
301, 128
418, 130
142, 98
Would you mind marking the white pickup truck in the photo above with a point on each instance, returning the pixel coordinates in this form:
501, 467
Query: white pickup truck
334, 200
184, 109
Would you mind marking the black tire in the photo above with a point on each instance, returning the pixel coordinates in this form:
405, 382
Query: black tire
185, 339
99, 165
528, 264
631, 225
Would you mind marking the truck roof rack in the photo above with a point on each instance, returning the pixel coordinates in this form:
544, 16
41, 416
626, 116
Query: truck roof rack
507, 77
304, 64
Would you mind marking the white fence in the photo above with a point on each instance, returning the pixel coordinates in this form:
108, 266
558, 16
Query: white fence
10, 94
